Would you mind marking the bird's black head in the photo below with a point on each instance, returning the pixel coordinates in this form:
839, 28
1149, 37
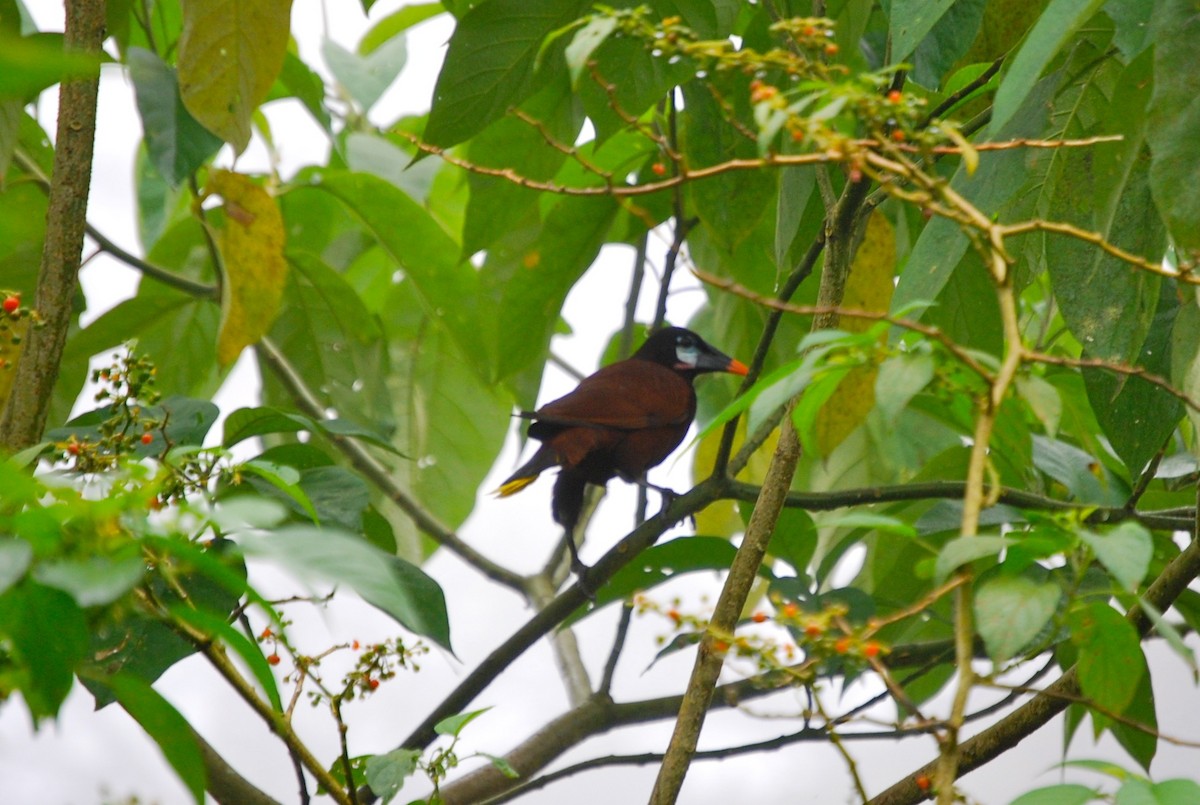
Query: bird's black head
686, 353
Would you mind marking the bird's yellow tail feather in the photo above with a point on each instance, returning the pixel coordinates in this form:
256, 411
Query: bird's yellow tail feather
514, 485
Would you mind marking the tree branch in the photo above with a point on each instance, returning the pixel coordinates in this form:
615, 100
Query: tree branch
24, 417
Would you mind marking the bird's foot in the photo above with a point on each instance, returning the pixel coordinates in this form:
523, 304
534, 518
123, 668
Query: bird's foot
583, 579
669, 496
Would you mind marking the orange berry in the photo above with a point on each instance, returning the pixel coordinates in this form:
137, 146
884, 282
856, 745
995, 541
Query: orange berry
266, 633
831, 49
797, 136
659, 169
720, 646
810, 31
273, 659
763, 92
923, 782
790, 610
147, 437
674, 615
898, 135
73, 448
871, 649
372, 683
842, 645
894, 96
11, 303
759, 617
813, 630
354, 645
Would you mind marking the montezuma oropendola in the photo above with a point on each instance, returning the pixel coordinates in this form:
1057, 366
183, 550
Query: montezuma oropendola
619, 422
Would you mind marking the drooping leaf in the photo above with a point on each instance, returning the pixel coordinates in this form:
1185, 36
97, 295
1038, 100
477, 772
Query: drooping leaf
94, 580
398, 588
1110, 664
1174, 121
44, 668
1054, 28
230, 54
252, 256
386, 774
366, 77
869, 287
175, 142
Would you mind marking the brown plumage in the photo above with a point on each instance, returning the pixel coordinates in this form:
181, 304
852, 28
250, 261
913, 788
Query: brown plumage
619, 422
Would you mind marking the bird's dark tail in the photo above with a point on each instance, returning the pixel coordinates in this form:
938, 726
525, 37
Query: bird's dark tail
568, 499
542, 460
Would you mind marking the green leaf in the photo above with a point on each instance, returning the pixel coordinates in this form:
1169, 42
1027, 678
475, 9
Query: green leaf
429, 257
93, 580
397, 22
1010, 611
15, 557
899, 380
367, 77
1043, 400
585, 42
1174, 121
490, 63
298, 80
946, 44
1137, 791
175, 142
453, 725
1125, 550
1063, 794
30, 64
48, 635
960, 551
230, 54
1054, 28
910, 21
1110, 664
187, 421
396, 587
942, 244
220, 628
386, 773
661, 563
1077, 471
162, 722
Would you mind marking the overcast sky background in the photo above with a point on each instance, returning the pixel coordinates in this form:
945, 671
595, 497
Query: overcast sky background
90, 757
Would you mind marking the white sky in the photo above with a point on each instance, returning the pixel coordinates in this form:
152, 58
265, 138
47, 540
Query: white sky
91, 757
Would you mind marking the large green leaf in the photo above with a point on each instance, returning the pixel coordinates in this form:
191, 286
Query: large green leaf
1174, 120
366, 77
399, 588
162, 722
489, 66
1110, 664
1010, 611
1054, 28
941, 245
946, 43
230, 54
175, 142
448, 287
92, 580
911, 20
47, 636
1125, 550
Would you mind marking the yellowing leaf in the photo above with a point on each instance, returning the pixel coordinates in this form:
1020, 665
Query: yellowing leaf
869, 287
720, 519
252, 256
230, 54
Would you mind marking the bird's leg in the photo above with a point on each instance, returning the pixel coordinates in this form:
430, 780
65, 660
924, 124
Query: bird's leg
668, 495
577, 566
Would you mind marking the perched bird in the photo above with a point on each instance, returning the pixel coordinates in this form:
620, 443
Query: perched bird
619, 422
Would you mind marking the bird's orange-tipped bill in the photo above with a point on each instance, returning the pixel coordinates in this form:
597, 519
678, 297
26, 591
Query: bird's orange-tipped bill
737, 367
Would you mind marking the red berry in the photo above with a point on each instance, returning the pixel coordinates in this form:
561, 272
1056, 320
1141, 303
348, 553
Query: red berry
720, 646
842, 645
871, 649
923, 782
147, 437
831, 49
11, 303
273, 659
372, 683
898, 135
813, 630
894, 96
659, 169
790, 610
759, 617
73, 448
266, 633
354, 645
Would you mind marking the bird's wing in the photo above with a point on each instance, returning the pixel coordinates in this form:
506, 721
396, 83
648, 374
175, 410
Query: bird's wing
629, 395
